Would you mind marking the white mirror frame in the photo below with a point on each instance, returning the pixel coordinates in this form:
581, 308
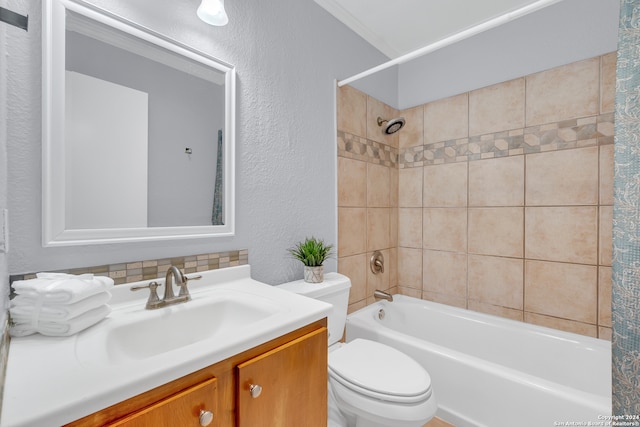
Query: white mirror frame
54, 232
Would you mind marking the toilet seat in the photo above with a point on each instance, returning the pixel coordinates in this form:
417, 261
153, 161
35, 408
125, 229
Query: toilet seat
379, 371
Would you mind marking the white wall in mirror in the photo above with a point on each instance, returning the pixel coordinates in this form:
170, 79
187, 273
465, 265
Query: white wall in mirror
106, 150
190, 103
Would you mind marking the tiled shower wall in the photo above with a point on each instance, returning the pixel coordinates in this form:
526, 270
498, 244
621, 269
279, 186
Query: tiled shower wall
367, 195
504, 198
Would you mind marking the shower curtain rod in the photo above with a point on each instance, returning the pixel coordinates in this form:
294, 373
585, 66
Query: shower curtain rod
487, 25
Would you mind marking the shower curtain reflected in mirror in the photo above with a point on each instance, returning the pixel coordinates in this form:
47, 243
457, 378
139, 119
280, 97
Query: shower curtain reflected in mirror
216, 216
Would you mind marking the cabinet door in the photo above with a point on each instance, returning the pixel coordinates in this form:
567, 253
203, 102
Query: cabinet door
293, 378
182, 409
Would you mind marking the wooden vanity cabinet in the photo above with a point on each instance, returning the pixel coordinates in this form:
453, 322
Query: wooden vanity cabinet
291, 371
194, 406
284, 387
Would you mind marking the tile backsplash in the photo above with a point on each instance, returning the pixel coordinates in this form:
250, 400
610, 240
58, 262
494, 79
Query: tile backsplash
499, 199
152, 269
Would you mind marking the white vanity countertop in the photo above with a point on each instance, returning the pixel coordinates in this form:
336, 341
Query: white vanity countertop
52, 381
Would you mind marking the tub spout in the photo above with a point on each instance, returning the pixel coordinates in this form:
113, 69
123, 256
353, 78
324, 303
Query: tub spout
383, 295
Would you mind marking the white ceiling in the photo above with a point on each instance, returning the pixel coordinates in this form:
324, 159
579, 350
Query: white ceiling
398, 27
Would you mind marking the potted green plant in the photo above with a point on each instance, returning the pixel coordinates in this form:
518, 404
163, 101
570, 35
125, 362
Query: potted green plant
312, 252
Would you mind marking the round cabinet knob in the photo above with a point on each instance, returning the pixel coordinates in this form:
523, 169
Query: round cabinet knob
205, 418
255, 390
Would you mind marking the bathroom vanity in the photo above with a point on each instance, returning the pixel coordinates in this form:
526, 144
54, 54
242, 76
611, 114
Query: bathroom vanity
193, 363
282, 382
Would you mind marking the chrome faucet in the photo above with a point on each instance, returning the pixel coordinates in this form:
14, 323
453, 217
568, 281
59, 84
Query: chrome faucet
383, 295
174, 275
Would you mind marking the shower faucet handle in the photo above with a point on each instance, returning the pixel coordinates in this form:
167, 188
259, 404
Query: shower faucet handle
377, 262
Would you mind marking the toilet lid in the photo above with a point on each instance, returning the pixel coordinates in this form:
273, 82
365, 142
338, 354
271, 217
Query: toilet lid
379, 369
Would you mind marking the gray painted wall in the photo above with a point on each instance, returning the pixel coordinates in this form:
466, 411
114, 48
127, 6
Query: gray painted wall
568, 31
6, 34
287, 55
557, 35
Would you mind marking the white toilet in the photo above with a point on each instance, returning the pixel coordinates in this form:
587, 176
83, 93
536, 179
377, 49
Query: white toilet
370, 384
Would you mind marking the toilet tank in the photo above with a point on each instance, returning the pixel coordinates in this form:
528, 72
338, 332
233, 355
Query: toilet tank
333, 290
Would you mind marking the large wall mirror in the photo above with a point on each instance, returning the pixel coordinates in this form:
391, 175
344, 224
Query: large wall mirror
138, 132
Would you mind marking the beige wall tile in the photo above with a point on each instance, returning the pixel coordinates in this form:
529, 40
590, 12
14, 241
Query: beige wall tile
605, 231
495, 310
377, 109
354, 267
352, 231
496, 231
410, 268
608, 82
565, 234
445, 273
393, 187
497, 108
412, 132
392, 265
568, 177
352, 111
381, 280
410, 188
410, 227
378, 183
378, 228
446, 119
562, 93
393, 227
445, 185
606, 174
568, 291
496, 281
451, 300
561, 324
497, 182
604, 333
410, 292
445, 229
352, 183
604, 296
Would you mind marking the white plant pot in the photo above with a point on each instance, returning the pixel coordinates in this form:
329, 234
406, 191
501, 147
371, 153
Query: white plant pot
313, 274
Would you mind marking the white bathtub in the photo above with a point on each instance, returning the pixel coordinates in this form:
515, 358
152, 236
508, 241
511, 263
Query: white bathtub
493, 372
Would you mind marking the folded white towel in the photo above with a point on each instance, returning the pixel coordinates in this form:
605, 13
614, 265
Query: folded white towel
61, 329
61, 288
24, 308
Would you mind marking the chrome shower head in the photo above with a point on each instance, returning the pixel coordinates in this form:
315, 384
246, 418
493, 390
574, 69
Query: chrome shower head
392, 126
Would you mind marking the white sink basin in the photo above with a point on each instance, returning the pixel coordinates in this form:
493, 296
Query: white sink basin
134, 333
135, 350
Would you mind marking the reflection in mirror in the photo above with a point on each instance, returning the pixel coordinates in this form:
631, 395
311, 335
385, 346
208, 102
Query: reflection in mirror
139, 133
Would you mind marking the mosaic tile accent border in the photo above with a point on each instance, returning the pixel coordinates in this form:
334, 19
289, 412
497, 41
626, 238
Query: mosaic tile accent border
358, 148
152, 269
583, 132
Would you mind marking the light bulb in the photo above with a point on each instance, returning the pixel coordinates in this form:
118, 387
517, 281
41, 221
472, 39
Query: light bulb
212, 12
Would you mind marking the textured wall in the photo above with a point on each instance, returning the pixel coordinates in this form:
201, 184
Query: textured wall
557, 35
286, 161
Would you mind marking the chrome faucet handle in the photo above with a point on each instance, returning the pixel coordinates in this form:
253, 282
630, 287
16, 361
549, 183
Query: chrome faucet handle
153, 300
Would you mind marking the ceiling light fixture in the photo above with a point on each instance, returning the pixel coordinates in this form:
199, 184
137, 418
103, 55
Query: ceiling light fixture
212, 12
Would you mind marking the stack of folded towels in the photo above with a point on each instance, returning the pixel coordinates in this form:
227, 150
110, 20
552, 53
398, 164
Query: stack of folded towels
59, 304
